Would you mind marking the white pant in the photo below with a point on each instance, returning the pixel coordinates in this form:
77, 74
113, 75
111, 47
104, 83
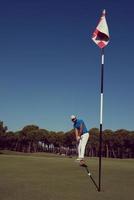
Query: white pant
82, 145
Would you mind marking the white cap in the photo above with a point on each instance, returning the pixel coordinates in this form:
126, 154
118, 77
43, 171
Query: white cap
73, 117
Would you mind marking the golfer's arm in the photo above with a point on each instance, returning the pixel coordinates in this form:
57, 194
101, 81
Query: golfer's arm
81, 130
76, 133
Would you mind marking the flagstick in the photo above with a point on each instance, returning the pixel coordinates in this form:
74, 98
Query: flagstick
101, 117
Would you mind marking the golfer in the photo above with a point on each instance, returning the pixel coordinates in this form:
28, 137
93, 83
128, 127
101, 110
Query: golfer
82, 135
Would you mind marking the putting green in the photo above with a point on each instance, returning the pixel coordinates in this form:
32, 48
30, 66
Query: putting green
44, 176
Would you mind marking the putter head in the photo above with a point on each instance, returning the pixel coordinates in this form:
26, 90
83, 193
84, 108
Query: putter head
82, 163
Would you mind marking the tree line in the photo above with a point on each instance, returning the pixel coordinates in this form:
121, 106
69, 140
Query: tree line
116, 144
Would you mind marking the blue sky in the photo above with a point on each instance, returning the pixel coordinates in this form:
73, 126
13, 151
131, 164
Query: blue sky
50, 67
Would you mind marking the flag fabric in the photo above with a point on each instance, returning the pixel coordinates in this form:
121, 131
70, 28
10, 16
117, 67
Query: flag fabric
101, 34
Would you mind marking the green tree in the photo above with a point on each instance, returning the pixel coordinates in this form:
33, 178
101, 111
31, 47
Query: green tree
3, 135
30, 135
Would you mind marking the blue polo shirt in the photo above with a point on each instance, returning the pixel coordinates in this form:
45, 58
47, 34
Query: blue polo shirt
78, 123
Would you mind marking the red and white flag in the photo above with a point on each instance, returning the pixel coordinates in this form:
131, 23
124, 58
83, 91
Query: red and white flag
101, 33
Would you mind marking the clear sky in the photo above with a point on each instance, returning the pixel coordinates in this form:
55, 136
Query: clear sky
50, 67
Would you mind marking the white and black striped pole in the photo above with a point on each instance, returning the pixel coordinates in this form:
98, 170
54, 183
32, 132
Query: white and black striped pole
101, 38
101, 116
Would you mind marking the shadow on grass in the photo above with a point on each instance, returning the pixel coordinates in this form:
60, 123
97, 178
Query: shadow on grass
89, 174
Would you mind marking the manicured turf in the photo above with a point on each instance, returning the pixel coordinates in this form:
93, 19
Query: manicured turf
48, 177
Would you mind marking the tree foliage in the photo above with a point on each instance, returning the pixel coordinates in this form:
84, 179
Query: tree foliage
115, 144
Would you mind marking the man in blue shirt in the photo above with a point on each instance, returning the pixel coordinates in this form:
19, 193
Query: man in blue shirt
82, 135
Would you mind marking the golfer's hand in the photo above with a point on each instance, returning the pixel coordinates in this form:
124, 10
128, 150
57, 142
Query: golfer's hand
78, 138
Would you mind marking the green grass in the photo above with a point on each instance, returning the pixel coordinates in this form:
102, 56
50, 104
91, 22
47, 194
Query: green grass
45, 176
